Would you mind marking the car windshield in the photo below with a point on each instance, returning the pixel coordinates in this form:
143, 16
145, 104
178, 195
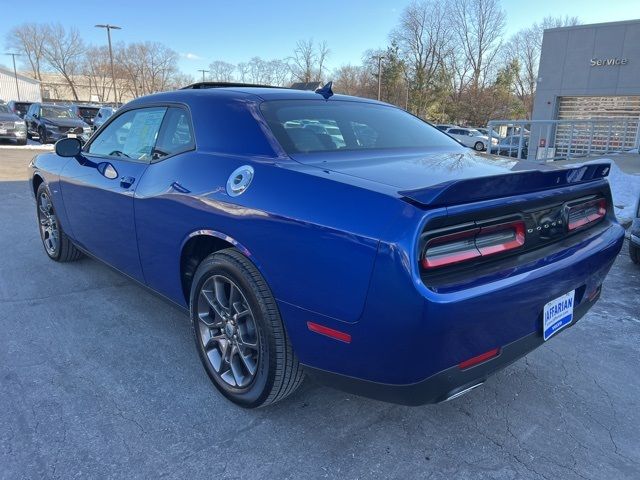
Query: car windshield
308, 126
475, 133
55, 112
4, 109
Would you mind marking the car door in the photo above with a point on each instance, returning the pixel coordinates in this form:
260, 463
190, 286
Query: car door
98, 189
29, 117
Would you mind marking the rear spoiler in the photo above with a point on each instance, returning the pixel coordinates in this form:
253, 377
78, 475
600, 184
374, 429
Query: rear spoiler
496, 186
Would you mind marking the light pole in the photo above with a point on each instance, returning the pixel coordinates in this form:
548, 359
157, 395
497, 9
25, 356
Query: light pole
113, 72
203, 72
15, 72
379, 57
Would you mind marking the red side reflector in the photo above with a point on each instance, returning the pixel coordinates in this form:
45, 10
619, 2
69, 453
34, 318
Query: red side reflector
329, 332
483, 357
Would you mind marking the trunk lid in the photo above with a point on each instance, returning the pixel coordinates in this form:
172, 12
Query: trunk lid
444, 177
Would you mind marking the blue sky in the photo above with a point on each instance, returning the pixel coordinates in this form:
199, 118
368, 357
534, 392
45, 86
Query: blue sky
234, 31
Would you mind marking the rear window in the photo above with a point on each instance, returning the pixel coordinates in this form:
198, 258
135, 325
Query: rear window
307, 126
88, 112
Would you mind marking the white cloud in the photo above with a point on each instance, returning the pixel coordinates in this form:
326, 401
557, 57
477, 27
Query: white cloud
191, 56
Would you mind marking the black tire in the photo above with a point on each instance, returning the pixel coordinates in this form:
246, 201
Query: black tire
42, 135
277, 372
478, 146
21, 141
634, 253
65, 250
29, 135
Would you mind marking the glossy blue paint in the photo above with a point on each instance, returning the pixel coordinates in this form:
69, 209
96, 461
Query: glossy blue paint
335, 235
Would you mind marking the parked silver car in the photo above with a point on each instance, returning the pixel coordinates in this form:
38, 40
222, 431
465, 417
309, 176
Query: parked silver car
471, 137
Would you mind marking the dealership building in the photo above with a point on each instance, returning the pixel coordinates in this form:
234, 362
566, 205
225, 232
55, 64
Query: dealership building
591, 72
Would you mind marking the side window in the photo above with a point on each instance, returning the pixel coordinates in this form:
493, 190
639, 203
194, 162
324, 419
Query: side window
176, 134
132, 135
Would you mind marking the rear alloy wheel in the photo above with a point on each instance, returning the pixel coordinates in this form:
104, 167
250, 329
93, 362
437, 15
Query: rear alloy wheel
479, 146
239, 333
56, 243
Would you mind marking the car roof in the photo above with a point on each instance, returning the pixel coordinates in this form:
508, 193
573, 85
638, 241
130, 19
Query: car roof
248, 92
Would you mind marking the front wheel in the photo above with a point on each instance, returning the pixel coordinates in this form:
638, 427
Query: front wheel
239, 334
479, 146
56, 243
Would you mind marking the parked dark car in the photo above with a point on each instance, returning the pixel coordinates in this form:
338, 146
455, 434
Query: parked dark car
634, 238
87, 113
12, 127
19, 108
508, 147
51, 122
405, 267
102, 116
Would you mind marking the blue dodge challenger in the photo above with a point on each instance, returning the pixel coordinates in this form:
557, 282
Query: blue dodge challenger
331, 236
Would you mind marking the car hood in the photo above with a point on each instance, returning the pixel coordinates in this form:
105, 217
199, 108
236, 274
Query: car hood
442, 176
9, 117
65, 122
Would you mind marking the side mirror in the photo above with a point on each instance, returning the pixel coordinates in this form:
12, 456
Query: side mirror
68, 147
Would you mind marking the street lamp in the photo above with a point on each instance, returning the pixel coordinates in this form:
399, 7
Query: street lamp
15, 72
203, 72
113, 72
379, 57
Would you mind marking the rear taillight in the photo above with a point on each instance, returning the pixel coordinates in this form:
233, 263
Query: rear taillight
586, 213
473, 243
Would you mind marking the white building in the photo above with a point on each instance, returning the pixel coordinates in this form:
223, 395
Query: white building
28, 89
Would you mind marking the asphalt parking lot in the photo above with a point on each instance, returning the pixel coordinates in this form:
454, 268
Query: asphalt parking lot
100, 379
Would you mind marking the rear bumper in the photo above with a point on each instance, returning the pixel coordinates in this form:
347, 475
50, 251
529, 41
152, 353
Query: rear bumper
410, 338
14, 135
447, 383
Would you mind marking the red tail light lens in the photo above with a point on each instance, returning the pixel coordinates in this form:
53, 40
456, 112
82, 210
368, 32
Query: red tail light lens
586, 213
473, 243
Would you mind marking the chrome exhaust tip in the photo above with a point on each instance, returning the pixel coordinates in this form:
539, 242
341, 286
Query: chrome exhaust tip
455, 394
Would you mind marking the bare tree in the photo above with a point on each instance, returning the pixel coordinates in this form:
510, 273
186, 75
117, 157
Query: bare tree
96, 68
478, 25
323, 53
308, 60
424, 42
63, 51
221, 71
147, 67
354, 80
29, 40
525, 47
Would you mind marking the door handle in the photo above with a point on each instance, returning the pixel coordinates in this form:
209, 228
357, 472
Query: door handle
126, 182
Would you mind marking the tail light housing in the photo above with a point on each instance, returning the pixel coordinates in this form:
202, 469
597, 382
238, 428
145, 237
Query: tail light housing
473, 243
586, 213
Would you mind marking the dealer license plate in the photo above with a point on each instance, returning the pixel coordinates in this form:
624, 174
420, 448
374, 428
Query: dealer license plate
557, 314
71, 135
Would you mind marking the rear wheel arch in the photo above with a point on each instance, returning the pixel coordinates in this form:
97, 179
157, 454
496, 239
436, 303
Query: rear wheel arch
198, 246
35, 183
